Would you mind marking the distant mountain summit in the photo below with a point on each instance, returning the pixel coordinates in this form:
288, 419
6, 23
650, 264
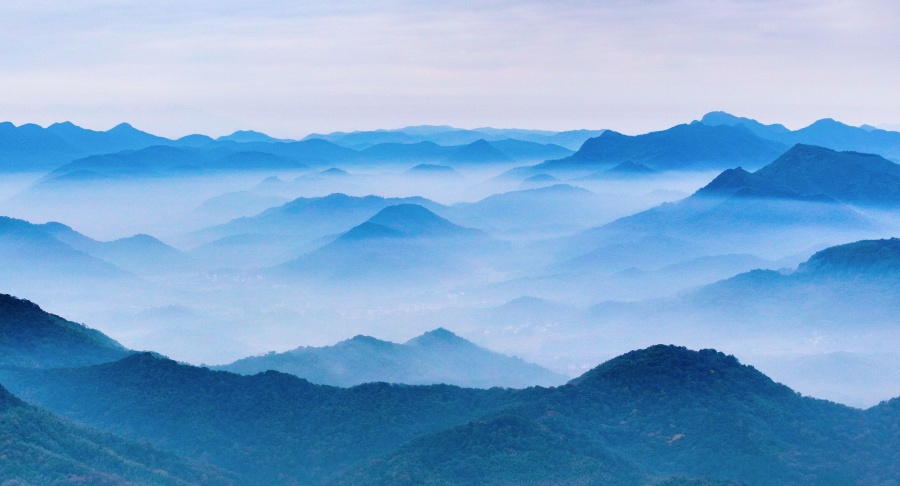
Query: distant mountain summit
413, 220
437, 356
246, 136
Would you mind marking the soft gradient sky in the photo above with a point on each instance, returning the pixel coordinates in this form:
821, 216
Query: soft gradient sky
289, 68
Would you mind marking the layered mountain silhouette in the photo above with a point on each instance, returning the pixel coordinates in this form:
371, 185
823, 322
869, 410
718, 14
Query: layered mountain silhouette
450, 136
660, 413
683, 147
308, 218
804, 188
165, 161
438, 356
30, 147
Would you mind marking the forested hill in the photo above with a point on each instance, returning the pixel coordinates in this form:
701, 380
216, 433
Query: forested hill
649, 415
31, 337
39, 448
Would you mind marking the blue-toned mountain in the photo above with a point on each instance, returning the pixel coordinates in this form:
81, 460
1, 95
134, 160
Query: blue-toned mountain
437, 356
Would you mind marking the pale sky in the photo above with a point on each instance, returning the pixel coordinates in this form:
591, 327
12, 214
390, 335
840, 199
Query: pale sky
289, 68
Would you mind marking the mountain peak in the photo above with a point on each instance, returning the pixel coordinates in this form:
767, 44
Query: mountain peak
415, 220
669, 367
479, 151
439, 336
123, 127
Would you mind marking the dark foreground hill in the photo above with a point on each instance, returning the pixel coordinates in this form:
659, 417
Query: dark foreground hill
437, 356
659, 413
39, 448
30, 337
272, 427
655, 413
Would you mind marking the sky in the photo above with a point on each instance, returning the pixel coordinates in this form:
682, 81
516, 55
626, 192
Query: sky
291, 68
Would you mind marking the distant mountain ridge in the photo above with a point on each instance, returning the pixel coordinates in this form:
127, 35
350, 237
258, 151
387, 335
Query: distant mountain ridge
682, 147
438, 356
446, 135
827, 133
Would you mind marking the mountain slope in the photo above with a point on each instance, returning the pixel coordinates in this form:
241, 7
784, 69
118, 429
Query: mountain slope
32, 338
438, 356
40, 448
271, 428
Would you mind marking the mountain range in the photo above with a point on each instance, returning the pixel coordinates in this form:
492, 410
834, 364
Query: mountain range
446, 135
824, 133
807, 187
